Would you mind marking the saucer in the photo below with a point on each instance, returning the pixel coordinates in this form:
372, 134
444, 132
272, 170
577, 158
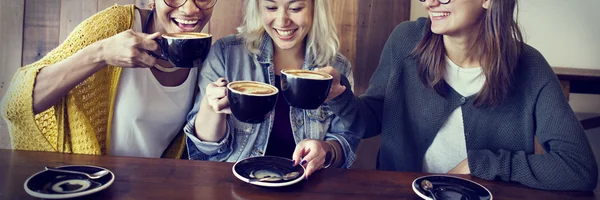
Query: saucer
58, 185
267, 166
451, 187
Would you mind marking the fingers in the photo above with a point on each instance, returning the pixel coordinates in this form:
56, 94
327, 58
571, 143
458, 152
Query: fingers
146, 60
146, 43
298, 153
312, 155
336, 86
221, 82
216, 94
222, 106
314, 161
313, 166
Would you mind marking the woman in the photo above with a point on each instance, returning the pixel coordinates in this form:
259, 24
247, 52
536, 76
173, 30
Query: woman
461, 93
101, 93
275, 35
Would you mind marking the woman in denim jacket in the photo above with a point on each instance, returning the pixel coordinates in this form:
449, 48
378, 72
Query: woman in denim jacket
275, 35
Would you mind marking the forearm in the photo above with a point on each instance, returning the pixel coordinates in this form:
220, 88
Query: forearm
53, 82
210, 126
360, 114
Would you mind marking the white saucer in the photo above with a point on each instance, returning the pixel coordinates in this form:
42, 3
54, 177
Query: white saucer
246, 169
58, 185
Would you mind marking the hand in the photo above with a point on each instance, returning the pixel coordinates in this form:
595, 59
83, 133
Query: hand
311, 154
216, 96
462, 168
129, 49
336, 87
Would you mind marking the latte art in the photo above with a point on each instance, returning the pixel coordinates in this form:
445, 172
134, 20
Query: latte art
308, 74
253, 88
186, 35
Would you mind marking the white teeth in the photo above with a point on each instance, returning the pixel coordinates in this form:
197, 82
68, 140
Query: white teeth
285, 33
440, 14
183, 21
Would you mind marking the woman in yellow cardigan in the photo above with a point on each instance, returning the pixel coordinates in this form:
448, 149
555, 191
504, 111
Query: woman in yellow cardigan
101, 93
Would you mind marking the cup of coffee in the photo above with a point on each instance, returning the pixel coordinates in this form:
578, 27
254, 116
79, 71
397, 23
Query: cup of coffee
251, 101
304, 88
184, 50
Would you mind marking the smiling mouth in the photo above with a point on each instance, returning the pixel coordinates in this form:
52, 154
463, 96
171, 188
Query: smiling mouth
440, 14
185, 24
285, 34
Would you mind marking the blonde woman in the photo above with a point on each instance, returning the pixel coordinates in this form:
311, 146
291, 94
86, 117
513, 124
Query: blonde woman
275, 35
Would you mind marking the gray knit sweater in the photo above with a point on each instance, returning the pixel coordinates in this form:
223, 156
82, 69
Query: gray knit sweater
500, 139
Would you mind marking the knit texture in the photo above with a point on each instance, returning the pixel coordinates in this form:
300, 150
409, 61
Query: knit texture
500, 139
80, 123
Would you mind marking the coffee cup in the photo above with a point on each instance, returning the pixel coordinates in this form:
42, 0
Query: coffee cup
184, 50
251, 101
304, 88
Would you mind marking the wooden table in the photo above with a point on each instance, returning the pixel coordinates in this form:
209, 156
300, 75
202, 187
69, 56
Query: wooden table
140, 178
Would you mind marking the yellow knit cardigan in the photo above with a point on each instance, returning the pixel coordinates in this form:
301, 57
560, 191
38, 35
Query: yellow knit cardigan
81, 122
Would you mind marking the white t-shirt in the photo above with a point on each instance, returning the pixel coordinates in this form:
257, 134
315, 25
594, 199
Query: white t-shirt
449, 147
147, 115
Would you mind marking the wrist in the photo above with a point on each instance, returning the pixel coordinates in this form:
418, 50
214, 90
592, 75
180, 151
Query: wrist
97, 52
330, 155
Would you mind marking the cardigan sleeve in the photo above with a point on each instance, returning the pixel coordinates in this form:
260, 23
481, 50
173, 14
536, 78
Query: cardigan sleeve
40, 132
568, 163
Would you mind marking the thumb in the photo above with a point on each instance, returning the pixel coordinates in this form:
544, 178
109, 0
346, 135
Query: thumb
152, 36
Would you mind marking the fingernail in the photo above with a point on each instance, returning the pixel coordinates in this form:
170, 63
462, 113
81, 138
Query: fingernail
303, 162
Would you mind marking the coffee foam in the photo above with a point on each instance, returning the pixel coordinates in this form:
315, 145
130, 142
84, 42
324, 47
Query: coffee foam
307, 74
252, 88
186, 35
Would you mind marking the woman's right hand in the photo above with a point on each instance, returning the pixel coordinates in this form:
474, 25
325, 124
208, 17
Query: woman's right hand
336, 87
129, 49
216, 96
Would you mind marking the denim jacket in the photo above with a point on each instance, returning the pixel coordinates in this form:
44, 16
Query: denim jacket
230, 58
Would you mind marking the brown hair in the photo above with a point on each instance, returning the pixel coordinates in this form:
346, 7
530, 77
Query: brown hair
498, 45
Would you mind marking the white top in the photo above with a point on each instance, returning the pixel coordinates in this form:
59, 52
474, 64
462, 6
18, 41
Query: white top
449, 147
147, 115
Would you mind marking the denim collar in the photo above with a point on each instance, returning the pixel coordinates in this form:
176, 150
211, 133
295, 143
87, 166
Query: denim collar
265, 56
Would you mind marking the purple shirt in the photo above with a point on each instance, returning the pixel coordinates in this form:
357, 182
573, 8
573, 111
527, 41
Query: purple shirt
281, 141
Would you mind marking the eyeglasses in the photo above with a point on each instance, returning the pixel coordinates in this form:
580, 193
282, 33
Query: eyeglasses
441, 1
202, 4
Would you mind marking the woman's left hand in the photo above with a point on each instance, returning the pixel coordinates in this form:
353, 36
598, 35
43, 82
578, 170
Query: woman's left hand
311, 154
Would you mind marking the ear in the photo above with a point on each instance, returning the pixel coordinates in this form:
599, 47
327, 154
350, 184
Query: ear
486, 4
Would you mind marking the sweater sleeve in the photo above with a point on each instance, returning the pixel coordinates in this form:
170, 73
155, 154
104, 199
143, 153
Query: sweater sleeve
363, 115
40, 132
568, 163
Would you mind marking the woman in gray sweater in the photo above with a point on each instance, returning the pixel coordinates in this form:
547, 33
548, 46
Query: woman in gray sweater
459, 92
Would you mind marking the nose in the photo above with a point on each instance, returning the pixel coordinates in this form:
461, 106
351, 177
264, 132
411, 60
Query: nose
189, 7
431, 3
281, 18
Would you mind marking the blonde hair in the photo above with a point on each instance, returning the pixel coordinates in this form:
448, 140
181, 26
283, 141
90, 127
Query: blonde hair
322, 40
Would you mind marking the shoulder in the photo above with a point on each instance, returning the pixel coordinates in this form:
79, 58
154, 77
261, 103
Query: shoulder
230, 41
109, 21
229, 44
533, 66
409, 31
120, 13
